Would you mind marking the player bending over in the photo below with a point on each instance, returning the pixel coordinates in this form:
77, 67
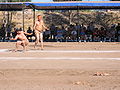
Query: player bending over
21, 40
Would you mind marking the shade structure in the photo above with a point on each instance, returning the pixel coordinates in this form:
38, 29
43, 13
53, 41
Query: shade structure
75, 5
16, 6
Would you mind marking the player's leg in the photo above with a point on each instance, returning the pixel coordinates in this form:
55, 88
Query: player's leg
37, 38
17, 44
41, 40
24, 44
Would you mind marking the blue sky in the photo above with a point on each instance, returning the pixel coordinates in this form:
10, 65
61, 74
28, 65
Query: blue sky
42, 0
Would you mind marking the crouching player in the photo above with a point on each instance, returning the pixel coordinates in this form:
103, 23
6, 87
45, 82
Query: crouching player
21, 40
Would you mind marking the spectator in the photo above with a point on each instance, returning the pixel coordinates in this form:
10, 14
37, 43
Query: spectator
82, 34
8, 32
14, 33
118, 32
77, 28
64, 32
59, 36
88, 35
108, 36
102, 34
113, 32
29, 31
2, 33
91, 27
46, 35
68, 33
52, 31
96, 37
74, 35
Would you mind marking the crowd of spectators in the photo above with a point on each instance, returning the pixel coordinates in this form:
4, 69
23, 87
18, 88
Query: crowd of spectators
83, 33
70, 33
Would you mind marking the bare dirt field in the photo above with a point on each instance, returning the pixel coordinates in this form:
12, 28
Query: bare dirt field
61, 66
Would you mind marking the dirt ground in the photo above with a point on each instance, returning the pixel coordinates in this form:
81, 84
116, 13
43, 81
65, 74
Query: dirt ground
61, 66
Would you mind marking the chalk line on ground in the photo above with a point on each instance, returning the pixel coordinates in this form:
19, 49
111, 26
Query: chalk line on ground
3, 50
67, 51
75, 51
54, 58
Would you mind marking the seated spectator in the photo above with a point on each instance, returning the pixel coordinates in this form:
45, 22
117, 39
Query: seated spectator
102, 34
8, 32
64, 31
14, 33
46, 35
59, 36
68, 33
88, 35
73, 35
82, 35
108, 36
118, 32
29, 37
91, 27
52, 31
113, 32
2, 33
96, 37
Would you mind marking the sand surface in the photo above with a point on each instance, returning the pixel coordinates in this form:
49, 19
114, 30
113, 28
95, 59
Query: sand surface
43, 70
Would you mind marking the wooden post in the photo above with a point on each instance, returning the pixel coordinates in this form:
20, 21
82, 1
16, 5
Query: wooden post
78, 31
23, 20
34, 14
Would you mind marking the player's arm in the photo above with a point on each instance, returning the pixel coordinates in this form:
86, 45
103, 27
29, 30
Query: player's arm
34, 28
44, 26
14, 38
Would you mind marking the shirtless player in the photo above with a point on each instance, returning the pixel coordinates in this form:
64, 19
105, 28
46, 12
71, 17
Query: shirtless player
22, 40
39, 27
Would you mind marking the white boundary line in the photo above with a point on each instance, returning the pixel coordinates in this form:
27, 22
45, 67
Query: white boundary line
3, 50
76, 51
68, 51
55, 58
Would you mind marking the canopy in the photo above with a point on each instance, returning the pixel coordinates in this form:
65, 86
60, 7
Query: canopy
76, 5
11, 6
60, 5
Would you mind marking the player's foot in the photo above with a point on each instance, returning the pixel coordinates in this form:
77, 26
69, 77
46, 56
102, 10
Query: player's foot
14, 50
24, 51
34, 46
42, 49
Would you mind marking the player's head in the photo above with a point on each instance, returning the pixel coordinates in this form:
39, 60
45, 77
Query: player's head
39, 17
19, 31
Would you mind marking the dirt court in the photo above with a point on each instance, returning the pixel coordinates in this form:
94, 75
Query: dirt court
61, 66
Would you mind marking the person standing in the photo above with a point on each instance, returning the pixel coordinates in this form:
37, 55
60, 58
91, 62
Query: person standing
8, 32
118, 32
2, 32
39, 28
